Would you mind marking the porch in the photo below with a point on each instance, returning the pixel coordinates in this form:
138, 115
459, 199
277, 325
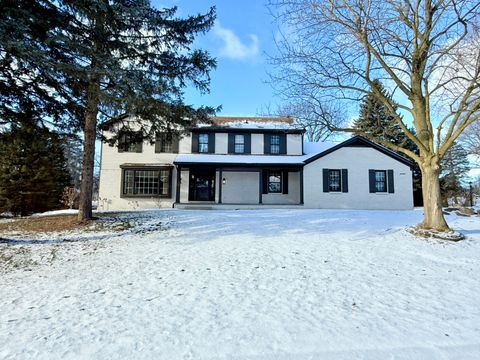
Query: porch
207, 186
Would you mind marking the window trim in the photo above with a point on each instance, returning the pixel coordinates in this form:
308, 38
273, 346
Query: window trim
277, 145
200, 143
385, 181
121, 148
269, 173
242, 143
164, 138
146, 168
339, 181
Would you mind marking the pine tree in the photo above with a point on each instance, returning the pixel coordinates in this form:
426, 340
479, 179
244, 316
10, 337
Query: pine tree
32, 169
378, 122
106, 59
455, 166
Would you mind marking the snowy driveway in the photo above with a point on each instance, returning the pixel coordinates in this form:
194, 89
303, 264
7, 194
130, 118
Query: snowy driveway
265, 284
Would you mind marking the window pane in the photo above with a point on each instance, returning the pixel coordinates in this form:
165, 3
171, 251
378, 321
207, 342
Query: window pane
274, 182
128, 182
334, 180
239, 139
274, 149
380, 181
275, 140
203, 143
164, 182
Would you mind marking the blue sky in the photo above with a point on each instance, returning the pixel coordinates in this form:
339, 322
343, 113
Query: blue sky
240, 40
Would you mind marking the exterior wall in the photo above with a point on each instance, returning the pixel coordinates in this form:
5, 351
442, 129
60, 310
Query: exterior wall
358, 160
294, 144
241, 187
221, 143
293, 196
111, 178
257, 144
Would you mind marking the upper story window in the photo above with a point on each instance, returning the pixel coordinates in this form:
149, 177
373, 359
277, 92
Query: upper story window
275, 144
203, 143
380, 181
130, 141
166, 143
239, 144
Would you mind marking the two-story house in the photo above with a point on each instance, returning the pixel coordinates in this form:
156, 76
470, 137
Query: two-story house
250, 163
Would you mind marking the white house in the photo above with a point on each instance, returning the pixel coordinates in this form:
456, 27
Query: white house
251, 163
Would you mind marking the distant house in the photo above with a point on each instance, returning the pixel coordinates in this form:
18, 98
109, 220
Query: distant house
251, 163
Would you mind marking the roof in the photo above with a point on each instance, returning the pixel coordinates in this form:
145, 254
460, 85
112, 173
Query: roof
312, 152
252, 123
360, 141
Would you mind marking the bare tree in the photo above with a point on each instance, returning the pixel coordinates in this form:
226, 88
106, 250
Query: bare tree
426, 52
311, 116
471, 138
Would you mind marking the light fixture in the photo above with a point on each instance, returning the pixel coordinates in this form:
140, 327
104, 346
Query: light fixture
224, 181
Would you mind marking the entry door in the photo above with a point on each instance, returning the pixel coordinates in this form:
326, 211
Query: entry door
202, 185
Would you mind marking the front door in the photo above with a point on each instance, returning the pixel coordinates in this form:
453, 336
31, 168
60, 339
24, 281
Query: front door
202, 185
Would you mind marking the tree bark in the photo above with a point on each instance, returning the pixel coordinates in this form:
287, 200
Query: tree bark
88, 158
432, 199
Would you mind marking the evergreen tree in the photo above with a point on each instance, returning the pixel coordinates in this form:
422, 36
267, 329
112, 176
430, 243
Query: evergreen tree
455, 166
378, 122
32, 169
106, 59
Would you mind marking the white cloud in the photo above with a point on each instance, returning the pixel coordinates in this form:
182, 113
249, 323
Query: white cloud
233, 47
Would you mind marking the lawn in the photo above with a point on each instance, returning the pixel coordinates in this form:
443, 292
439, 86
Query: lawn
250, 284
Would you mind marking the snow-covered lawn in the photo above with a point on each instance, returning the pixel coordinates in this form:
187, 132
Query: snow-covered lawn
265, 284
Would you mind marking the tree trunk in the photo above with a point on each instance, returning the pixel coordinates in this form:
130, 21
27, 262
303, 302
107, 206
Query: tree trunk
88, 158
432, 199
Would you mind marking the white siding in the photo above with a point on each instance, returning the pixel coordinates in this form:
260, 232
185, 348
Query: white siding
257, 144
111, 178
221, 143
294, 144
358, 160
293, 196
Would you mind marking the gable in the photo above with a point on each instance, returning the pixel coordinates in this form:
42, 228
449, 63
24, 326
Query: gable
360, 141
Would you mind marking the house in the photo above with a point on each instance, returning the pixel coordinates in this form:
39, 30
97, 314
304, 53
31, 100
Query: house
251, 163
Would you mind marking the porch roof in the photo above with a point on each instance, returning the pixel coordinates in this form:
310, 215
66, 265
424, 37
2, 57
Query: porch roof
238, 160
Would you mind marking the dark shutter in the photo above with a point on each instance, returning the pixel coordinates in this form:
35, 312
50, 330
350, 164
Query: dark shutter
121, 142
285, 182
158, 142
211, 143
248, 143
265, 181
138, 138
344, 180
231, 143
175, 142
371, 180
194, 142
325, 180
391, 187
283, 144
266, 143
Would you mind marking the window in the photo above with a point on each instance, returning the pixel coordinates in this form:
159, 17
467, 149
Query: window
239, 144
334, 180
146, 182
203, 143
274, 182
130, 142
275, 144
380, 181
166, 143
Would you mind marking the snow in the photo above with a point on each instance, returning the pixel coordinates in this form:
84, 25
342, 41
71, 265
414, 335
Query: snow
248, 284
58, 212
